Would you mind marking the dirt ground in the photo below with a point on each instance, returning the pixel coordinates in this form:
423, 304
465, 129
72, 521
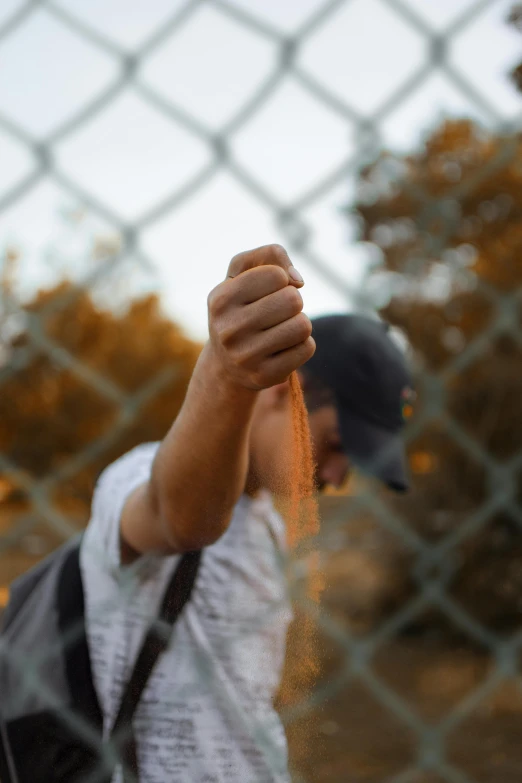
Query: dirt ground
429, 706
355, 737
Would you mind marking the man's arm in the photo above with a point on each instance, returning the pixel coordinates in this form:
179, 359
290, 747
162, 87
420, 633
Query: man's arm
258, 336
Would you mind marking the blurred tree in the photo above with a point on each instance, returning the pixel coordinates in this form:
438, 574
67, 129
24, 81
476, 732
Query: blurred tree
515, 19
78, 379
448, 221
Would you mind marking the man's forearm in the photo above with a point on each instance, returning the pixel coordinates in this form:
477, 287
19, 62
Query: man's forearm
258, 337
201, 466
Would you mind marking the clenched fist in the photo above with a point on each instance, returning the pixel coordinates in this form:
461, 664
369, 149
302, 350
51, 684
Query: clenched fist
258, 331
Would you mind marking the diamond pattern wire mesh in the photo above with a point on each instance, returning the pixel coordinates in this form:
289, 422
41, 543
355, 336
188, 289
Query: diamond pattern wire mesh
435, 563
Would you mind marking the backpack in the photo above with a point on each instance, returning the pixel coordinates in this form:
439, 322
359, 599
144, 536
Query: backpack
51, 723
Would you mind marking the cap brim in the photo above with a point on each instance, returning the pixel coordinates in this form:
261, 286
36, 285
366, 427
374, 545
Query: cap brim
374, 450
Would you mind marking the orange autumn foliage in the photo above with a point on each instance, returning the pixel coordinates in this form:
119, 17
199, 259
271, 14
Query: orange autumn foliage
448, 220
79, 377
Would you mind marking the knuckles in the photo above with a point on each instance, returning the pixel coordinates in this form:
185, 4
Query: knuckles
276, 251
272, 275
309, 348
217, 301
261, 256
293, 299
302, 326
227, 334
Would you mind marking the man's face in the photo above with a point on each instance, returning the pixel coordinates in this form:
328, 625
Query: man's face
269, 442
332, 464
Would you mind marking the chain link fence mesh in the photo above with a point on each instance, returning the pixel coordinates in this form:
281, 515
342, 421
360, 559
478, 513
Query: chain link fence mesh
392, 697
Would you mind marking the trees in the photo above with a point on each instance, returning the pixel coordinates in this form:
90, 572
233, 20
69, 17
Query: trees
515, 19
82, 385
448, 220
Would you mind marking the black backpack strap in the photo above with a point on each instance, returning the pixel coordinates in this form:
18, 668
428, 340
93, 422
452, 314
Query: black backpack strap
77, 660
156, 641
71, 623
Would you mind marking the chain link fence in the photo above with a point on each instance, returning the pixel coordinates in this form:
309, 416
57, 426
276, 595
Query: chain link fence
395, 703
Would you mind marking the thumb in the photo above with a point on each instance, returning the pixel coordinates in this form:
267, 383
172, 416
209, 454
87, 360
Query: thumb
267, 255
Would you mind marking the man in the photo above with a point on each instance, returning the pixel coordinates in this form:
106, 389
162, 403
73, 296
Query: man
206, 715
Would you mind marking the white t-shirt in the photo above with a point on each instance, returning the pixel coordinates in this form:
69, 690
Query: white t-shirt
206, 714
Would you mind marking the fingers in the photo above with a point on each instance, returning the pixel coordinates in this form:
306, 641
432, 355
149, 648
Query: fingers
238, 322
279, 338
256, 283
276, 369
269, 358
268, 255
273, 309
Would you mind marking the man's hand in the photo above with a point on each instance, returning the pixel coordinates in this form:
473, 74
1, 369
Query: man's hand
258, 332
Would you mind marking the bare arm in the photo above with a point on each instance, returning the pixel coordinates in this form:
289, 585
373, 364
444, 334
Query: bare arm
258, 336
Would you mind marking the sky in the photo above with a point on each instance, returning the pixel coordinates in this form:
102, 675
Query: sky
154, 139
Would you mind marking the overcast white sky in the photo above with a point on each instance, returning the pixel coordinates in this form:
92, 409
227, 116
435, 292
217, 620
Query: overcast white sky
131, 157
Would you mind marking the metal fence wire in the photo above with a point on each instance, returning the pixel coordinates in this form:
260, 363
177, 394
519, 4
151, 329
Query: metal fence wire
371, 691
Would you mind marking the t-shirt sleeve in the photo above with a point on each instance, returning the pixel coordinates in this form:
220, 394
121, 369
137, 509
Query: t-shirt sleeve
113, 487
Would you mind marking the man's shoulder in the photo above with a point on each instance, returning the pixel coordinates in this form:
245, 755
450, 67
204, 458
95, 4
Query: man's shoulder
136, 462
141, 455
114, 485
